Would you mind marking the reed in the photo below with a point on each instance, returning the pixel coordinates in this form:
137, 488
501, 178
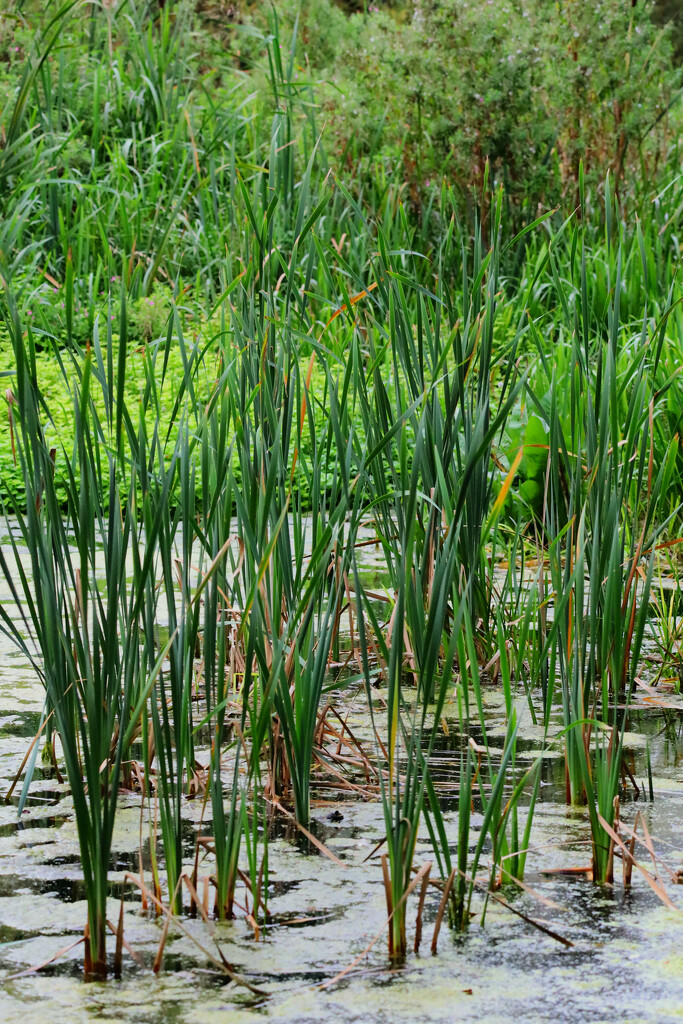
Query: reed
76, 518
601, 517
292, 350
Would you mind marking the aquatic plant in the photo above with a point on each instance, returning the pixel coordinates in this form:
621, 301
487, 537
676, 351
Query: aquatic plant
77, 519
601, 519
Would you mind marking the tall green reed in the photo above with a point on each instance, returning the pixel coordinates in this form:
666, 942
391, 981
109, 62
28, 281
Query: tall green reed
77, 521
434, 619
602, 499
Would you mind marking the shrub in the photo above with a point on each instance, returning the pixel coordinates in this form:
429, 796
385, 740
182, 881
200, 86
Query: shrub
528, 86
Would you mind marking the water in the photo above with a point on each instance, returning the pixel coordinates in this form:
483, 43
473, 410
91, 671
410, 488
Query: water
625, 964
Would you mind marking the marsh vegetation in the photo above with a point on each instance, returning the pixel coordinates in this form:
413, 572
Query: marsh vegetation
334, 494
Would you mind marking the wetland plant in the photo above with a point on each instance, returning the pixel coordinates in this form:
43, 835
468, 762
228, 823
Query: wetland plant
603, 494
76, 520
432, 620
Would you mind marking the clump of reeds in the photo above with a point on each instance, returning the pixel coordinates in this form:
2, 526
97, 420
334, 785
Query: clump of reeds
192, 535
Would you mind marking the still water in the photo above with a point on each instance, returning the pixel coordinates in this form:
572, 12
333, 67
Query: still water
625, 963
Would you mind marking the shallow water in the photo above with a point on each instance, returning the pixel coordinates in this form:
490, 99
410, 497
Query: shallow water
625, 964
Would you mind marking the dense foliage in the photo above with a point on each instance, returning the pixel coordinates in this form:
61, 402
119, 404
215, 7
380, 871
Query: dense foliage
271, 279
124, 124
138, 138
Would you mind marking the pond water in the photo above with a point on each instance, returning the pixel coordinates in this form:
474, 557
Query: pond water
625, 962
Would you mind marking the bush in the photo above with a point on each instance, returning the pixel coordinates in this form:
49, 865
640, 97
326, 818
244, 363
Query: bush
533, 88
